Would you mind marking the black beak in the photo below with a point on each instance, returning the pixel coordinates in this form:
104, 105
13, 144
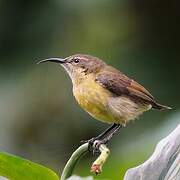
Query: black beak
54, 60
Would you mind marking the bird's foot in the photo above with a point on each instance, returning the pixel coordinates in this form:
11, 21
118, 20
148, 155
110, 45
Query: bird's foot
98, 143
91, 144
95, 143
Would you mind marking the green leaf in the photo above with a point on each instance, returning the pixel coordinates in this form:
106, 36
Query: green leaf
16, 168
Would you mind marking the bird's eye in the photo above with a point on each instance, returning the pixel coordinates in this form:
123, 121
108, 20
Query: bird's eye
76, 60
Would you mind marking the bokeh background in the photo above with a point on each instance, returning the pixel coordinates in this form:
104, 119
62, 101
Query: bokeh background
39, 118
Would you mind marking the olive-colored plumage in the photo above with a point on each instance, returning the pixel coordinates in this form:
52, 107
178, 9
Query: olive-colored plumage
104, 92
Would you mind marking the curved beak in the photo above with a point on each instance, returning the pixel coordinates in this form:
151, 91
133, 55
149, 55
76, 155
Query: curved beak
54, 60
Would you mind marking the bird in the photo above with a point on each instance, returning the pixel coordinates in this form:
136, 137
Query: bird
106, 93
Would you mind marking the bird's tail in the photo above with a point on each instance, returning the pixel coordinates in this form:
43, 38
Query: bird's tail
160, 107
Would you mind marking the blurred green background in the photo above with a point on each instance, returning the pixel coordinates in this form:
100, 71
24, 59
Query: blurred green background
39, 118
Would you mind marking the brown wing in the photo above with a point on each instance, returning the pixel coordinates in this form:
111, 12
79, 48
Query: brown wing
119, 84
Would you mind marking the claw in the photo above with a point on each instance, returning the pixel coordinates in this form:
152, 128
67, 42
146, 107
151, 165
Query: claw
88, 141
96, 146
83, 141
90, 144
95, 142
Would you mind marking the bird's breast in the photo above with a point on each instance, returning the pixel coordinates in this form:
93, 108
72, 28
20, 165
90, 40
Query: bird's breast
93, 99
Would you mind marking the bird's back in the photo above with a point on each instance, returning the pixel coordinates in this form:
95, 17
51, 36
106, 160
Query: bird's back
119, 84
112, 97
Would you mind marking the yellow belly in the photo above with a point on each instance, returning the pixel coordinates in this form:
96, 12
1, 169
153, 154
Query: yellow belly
93, 99
102, 105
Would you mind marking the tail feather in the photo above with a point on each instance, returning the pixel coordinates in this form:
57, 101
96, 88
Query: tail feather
160, 107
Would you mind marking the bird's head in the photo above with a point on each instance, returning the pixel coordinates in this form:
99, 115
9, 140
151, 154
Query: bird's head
78, 65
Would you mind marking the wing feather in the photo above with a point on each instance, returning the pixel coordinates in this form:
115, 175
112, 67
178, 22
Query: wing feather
119, 84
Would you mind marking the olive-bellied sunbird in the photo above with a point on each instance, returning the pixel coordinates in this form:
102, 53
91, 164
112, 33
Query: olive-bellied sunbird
105, 93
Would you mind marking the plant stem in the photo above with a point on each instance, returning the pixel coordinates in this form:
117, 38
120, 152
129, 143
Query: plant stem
81, 151
68, 169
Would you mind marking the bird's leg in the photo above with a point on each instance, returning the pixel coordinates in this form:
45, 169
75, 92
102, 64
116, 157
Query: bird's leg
105, 139
107, 131
101, 135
